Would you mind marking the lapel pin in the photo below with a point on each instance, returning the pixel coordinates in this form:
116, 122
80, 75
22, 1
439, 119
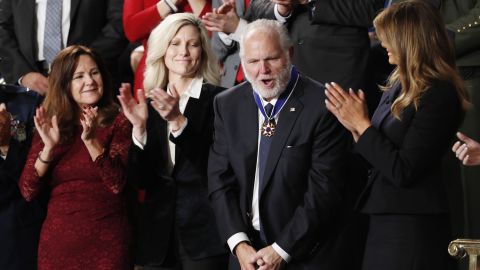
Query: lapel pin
292, 109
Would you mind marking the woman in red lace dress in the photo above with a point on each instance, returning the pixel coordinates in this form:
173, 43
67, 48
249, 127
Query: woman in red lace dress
80, 152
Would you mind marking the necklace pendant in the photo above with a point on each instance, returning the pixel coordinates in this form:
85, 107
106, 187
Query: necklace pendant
268, 128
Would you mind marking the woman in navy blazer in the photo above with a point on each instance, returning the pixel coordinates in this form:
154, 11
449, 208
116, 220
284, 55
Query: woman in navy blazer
404, 142
172, 135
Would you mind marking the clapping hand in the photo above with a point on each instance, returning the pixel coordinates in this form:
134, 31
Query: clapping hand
167, 105
223, 19
467, 150
349, 107
89, 122
47, 128
136, 112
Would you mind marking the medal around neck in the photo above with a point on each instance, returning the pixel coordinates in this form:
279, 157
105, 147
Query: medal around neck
269, 125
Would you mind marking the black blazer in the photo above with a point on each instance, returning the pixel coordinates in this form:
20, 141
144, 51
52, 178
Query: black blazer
301, 190
93, 23
178, 201
405, 155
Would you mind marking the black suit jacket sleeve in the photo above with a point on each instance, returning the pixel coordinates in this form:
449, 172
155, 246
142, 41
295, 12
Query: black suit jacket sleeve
347, 12
428, 136
13, 63
223, 184
145, 166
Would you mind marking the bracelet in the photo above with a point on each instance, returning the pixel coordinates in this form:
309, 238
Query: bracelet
173, 8
42, 160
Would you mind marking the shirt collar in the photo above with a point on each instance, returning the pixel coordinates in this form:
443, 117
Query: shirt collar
273, 101
194, 89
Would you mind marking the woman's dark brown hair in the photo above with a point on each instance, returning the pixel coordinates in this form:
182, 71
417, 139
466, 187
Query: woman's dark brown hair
59, 101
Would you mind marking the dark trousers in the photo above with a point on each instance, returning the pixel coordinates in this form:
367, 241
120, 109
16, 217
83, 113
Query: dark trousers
408, 242
179, 260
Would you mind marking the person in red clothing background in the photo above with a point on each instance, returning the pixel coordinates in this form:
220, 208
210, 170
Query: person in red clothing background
141, 16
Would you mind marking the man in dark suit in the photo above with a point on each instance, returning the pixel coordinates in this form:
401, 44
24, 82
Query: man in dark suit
274, 173
93, 23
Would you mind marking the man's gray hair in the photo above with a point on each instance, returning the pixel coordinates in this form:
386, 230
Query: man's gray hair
268, 27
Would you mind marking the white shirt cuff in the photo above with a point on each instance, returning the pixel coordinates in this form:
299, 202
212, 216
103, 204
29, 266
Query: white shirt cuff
285, 256
279, 16
141, 142
225, 39
139, 49
236, 239
179, 131
242, 25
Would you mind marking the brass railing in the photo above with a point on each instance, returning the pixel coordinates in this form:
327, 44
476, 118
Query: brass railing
460, 248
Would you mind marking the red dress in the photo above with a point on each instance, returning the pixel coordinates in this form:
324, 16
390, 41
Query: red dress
86, 225
139, 19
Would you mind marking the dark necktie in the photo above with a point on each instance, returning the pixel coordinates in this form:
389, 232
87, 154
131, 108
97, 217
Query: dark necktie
264, 147
52, 35
262, 160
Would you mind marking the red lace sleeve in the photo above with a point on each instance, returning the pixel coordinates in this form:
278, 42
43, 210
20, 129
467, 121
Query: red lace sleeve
30, 183
112, 163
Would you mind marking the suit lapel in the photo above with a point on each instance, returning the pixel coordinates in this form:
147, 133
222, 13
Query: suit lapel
195, 111
284, 127
384, 107
249, 134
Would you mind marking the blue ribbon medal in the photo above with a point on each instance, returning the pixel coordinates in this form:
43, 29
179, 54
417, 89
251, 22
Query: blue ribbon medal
269, 125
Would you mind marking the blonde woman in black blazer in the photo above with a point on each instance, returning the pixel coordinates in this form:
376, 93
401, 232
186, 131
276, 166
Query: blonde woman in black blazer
404, 142
172, 134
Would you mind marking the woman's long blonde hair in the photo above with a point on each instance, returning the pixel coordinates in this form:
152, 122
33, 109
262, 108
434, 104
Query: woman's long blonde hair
417, 35
156, 73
